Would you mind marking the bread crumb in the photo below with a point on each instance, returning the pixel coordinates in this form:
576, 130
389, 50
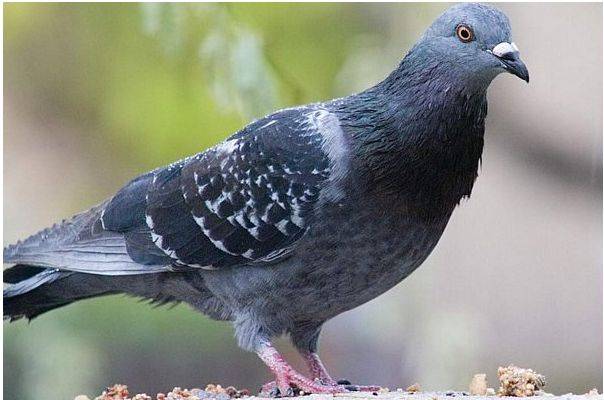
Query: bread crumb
478, 385
592, 392
214, 389
115, 392
414, 388
519, 382
216, 392
490, 392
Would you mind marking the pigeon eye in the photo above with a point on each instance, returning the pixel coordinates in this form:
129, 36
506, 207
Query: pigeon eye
464, 33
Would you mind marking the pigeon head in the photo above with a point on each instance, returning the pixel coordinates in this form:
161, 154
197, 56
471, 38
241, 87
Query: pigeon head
475, 42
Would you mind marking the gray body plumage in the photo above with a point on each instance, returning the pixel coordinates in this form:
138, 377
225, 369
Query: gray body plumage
302, 215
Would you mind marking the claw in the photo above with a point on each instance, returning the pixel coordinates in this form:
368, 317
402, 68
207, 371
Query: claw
295, 384
318, 372
288, 382
363, 388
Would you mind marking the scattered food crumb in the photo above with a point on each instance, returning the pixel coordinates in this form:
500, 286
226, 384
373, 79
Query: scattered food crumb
233, 392
178, 393
214, 389
519, 382
414, 388
115, 392
514, 381
211, 392
478, 385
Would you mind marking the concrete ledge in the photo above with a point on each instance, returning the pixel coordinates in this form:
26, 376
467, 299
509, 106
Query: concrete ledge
434, 396
198, 394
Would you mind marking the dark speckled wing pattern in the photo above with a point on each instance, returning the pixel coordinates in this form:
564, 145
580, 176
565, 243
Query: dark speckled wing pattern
246, 200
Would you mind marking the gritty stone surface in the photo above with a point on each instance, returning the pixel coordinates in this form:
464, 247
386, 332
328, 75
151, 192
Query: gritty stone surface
432, 396
514, 382
197, 394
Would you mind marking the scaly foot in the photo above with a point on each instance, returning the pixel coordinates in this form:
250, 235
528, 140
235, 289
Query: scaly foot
306, 386
287, 380
298, 385
319, 373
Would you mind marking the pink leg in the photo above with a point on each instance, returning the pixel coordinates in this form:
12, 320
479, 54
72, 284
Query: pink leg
318, 372
317, 369
286, 378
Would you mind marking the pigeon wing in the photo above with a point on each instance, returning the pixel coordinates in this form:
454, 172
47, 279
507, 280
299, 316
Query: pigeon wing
246, 200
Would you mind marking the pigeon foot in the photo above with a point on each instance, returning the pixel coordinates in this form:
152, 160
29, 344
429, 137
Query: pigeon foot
288, 381
271, 389
319, 373
299, 385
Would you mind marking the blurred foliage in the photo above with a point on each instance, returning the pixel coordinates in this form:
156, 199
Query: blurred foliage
179, 77
231, 53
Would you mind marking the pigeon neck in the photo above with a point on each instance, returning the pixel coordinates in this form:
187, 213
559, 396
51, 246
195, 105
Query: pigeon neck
418, 138
423, 73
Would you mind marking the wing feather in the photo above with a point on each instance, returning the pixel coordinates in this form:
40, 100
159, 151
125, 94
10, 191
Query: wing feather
250, 198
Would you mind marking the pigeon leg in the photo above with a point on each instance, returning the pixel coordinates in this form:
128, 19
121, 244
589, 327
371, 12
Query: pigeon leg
286, 378
305, 338
319, 372
317, 369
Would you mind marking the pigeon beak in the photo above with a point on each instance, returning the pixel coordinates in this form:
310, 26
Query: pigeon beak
509, 56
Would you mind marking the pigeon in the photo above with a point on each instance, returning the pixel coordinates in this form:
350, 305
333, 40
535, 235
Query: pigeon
298, 217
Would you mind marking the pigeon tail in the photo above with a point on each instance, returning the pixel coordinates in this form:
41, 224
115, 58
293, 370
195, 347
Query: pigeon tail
44, 291
79, 244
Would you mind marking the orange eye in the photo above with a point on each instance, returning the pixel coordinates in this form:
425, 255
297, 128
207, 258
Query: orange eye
464, 33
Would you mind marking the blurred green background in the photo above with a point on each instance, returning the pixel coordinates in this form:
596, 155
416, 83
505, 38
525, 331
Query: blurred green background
95, 94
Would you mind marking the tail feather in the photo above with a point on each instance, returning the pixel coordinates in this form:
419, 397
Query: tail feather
66, 232
20, 273
79, 244
80, 259
47, 290
51, 289
45, 276
30, 297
